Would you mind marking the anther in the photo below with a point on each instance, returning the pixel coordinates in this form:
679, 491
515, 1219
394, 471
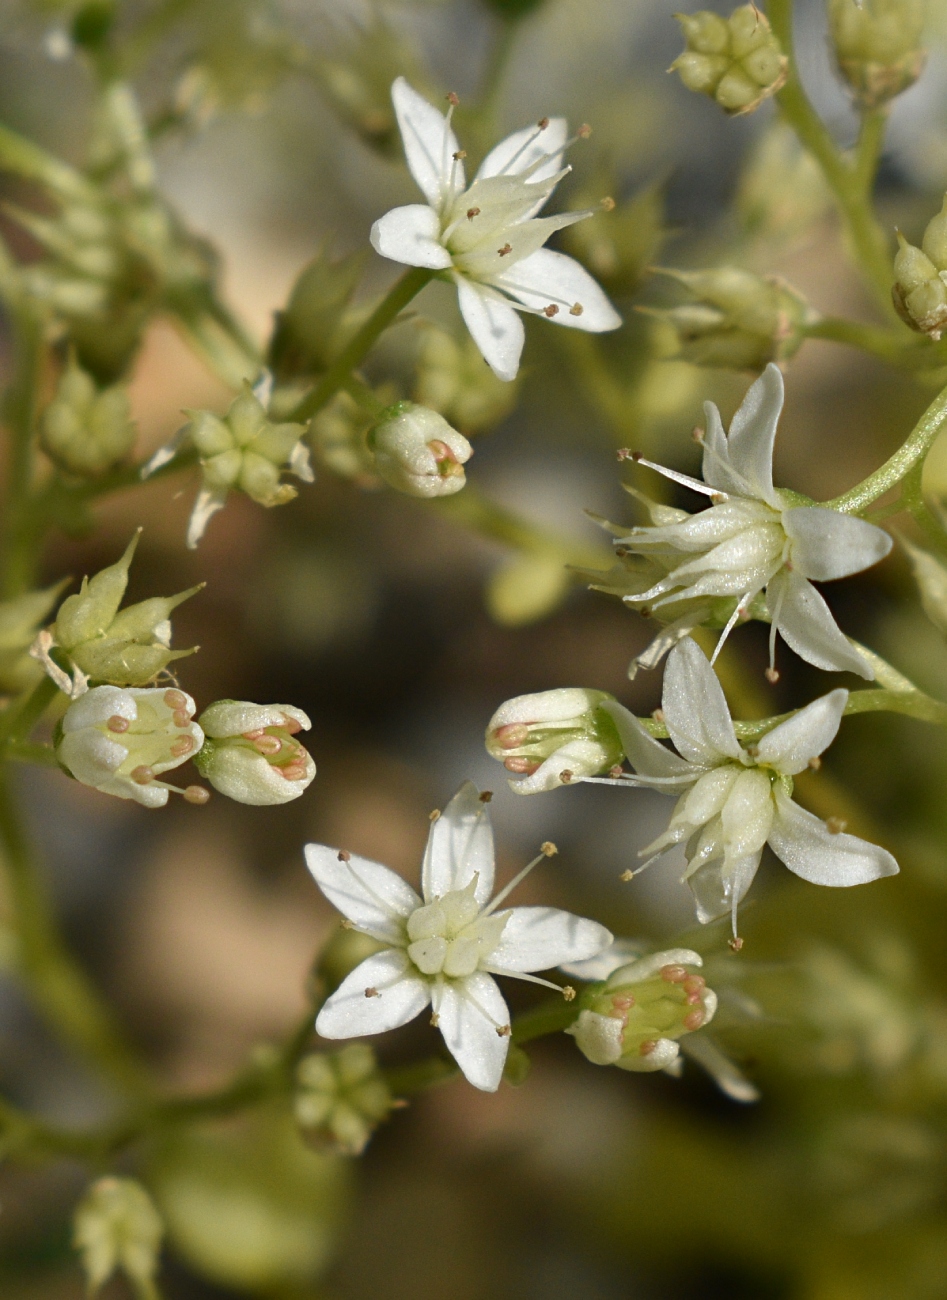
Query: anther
608, 204
175, 699
674, 974
565, 776
452, 99
616, 771
254, 735
196, 794
584, 131
142, 775
435, 1019
835, 825
576, 309
294, 771
627, 875
697, 433
625, 453
658, 715
344, 856
543, 123
694, 983
551, 310
268, 745
771, 675
693, 1020
117, 723
507, 248
623, 1001
460, 155
548, 849
504, 1031
521, 766
435, 815
735, 944
486, 796
291, 725
180, 717
753, 751
647, 1048
183, 745
472, 212
815, 762
568, 993
372, 993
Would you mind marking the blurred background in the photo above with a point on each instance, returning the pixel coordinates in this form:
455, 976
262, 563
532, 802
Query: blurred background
400, 632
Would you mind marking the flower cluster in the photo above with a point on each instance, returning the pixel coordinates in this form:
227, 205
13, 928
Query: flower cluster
737, 60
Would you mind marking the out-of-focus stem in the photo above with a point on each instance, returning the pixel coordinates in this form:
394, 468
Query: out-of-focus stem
19, 411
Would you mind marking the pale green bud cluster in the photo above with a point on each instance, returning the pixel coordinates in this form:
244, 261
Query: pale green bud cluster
20, 620
737, 60
128, 647
878, 46
635, 1019
417, 452
453, 380
739, 321
245, 450
920, 274
553, 737
85, 430
117, 1227
250, 752
341, 1097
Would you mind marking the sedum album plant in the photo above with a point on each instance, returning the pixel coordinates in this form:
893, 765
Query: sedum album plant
387, 395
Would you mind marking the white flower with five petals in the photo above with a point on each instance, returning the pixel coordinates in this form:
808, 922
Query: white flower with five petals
734, 800
444, 948
754, 540
487, 235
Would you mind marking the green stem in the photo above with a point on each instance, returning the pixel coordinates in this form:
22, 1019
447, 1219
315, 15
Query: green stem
548, 1018
19, 410
38, 755
849, 181
406, 1080
355, 352
60, 989
908, 353
896, 467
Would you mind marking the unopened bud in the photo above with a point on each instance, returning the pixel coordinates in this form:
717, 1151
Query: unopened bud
341, 1097
117, 1227
736, 61
920, 288
554, 737
635, 1019
417, 452
251, 753
878, 46
84, 430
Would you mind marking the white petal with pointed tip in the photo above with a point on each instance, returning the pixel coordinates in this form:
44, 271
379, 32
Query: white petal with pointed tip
790, 746
399, 995
715, 888
806, 625
494, 325
646, 755
809, 848
523, 148
410, 235
373, 897
827, 544
728, 1078
620, 953
206, 505
460, 846
695, 709
538, 938
753, 432
429, 143
547, 278
469, 1013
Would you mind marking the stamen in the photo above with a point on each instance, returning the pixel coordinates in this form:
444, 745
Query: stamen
142, 775
725, 465
551, 310
507, 248
175, 699
835, 825
504, 1031
459, 155
117, 723
815, 762
452, 99
568, 993
268, 745
608, 204
472, 212
486, 796
684, 479
180, 717
521, 975
521, 766
735, 944
434, 815
543, 123
739, 613
196, 794
372, 993
508, 889
183, 745
576, 309
344, 856
630, 874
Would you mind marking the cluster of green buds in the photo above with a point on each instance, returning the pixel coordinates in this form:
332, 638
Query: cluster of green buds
452, 379
737, 60
635, 1019
920, 278
117, 1227
341, 1098
20, 620
250, 752
127, 647
554, 737
739, 321
878, 46
417, 452
86, 430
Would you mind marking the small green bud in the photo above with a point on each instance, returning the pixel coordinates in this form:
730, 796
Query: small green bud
307, 333
453, 381
553, 737
878, 46
920, 288
84, 430
417, 452
117, 1227
634, 1019
125, 649
337, 435
341, 1098
251, 753
737, 61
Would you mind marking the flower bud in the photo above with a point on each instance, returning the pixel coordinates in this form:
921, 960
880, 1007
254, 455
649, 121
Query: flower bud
341, 1097
417, 452
20, 620
740, 321
119, 741
453, 380
920, 274
83, 430
307, 331
127, 648
116, 1226
554, 737
736, 61
250, 753
878, 46
635, 1019
337, 437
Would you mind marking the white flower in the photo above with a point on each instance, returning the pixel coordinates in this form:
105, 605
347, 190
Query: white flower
735, 800
753, 540
444, 948
553, 737
487, 236
251, 753
119, 740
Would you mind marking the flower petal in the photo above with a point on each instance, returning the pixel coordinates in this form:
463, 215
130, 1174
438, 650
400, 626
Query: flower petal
644, 968
806, 624
725, 1074
538, 938
645, 754
663, 1055
580, 758
619, 953
546, 278
410, 235
716, 890
524, 148
789, 746
827, 544
717, 471
429, 144
753, 431
809, 848
495, 327
460, 846
385, 991
695, 708
206, 504
375, 898
469, 1012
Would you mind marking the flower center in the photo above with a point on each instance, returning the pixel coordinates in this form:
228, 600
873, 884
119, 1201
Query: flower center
450, 936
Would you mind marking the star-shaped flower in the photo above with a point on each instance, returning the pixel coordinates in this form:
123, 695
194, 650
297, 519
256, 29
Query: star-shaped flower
733, 800
444, 948
754, 541
487, 235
